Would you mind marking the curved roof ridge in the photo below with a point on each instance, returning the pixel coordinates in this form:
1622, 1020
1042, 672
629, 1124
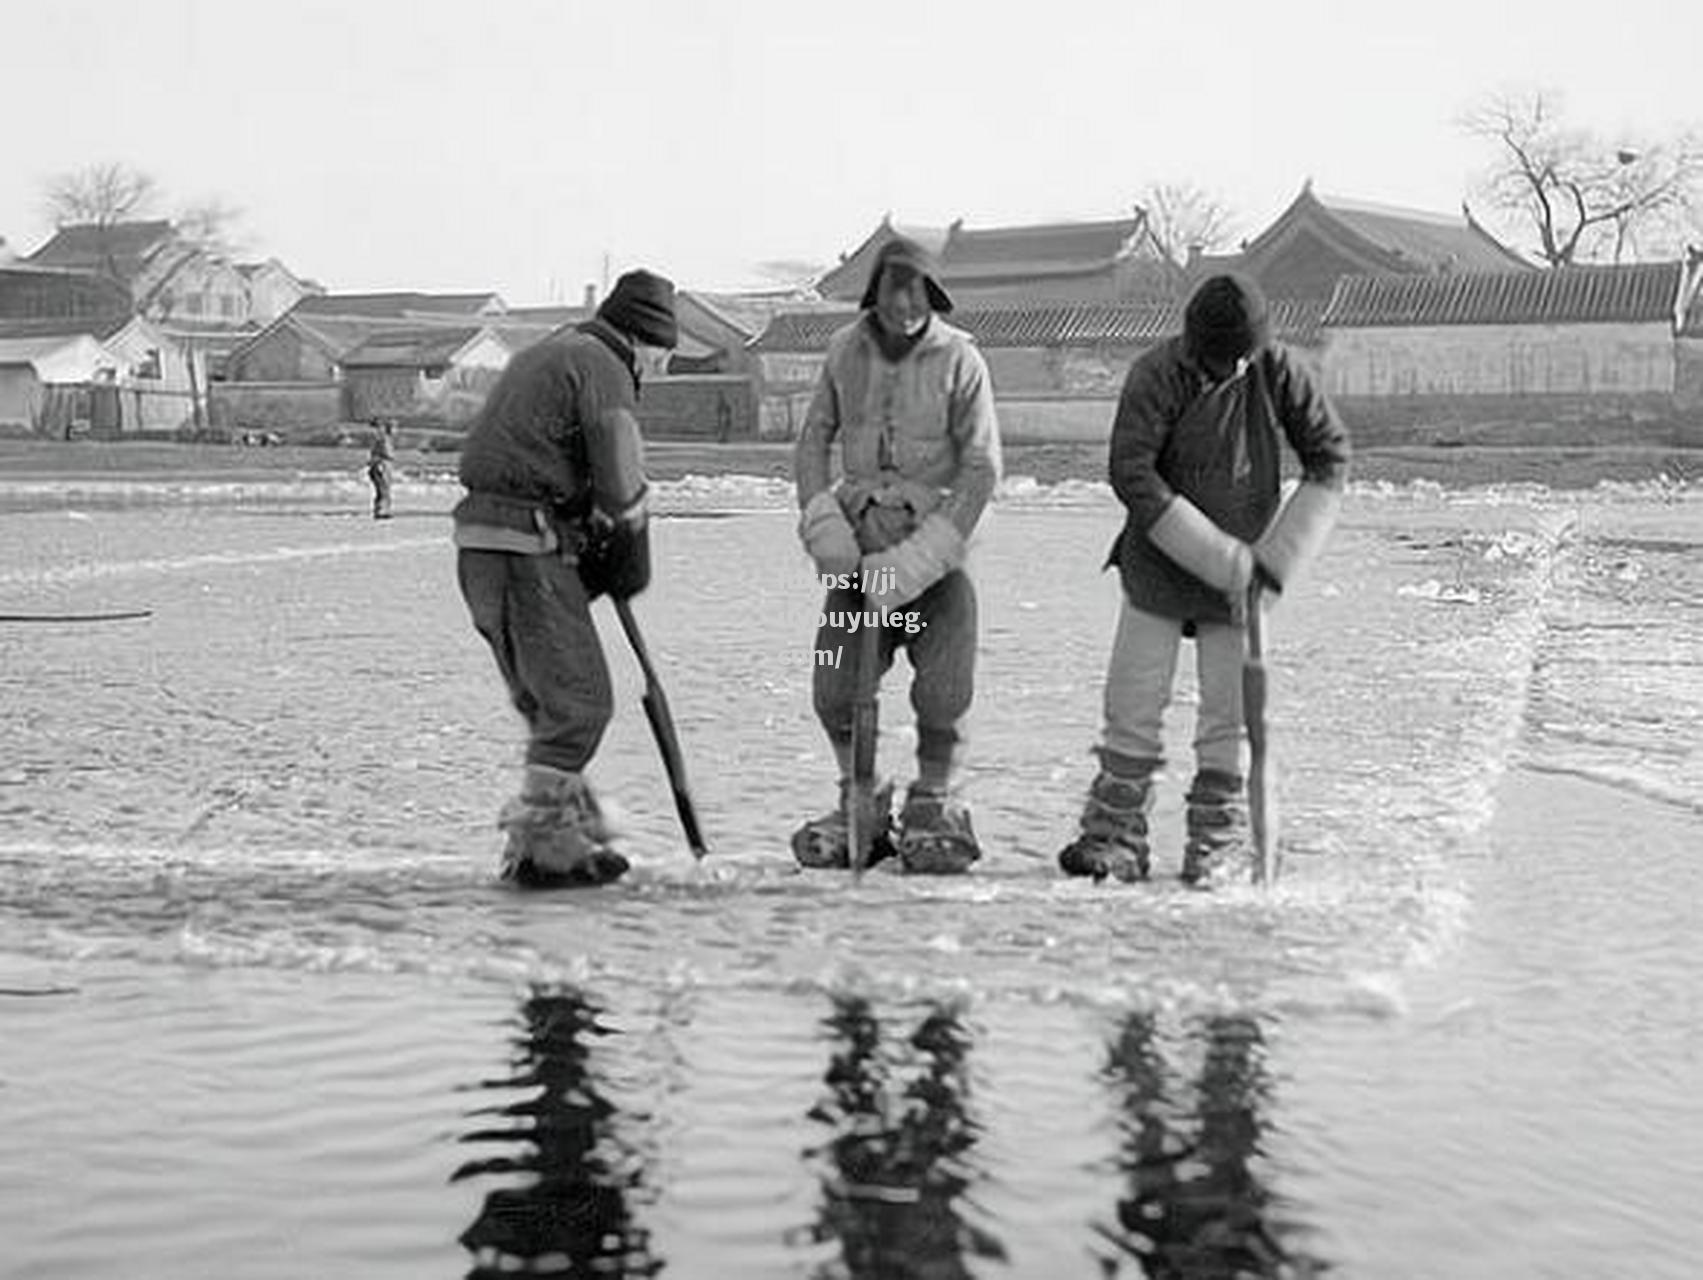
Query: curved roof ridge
1347, 205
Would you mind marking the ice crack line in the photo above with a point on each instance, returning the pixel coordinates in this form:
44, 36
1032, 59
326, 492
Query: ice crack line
213, 560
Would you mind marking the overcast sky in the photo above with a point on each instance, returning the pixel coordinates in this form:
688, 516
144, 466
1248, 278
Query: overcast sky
496, 144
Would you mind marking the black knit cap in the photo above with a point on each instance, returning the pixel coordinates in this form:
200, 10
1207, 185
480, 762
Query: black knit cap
642, 304
1226, 319
904, 252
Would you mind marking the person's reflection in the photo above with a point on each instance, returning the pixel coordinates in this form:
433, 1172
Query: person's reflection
1194, 1206
572, 1213
895, 1172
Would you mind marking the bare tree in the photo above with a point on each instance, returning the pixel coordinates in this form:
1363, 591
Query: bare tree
1579, 196
99, 194
211, 226
1185, 220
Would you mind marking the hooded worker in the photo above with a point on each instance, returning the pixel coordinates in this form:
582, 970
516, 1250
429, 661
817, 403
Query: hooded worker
905, 401
555, 515
1196, 456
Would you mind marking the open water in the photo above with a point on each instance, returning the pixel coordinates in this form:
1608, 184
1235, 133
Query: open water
264, 1013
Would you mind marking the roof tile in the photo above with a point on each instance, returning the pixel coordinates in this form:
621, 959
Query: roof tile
1637, 292
1055, 325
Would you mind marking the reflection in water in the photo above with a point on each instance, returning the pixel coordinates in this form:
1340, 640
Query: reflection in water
895, 1172
572, 1214
1194, 1208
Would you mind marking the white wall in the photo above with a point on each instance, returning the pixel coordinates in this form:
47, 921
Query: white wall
1572, 359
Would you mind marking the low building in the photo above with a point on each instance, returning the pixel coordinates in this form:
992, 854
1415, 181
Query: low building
45, 380
433, 374
116, 376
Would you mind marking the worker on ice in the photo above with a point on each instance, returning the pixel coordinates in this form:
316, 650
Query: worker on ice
907, 400
555, 514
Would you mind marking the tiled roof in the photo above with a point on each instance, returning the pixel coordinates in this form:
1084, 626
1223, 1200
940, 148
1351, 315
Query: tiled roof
416, 348
1380, 238
395, 304
802, 330
1059, 325
337, 335
971, 254
553, 314
1637, 293
1060, 248
848, 277
751, 310
1427, 240
90, 245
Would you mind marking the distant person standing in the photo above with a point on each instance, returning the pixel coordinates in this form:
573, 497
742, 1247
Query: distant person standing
723, 418
555, 514
381, 465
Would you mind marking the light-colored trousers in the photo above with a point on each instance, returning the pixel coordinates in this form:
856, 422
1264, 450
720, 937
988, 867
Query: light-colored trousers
1139, 678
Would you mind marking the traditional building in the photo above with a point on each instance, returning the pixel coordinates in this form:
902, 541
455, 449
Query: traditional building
310, 370
206, 303
44, 381
430, 373
301, 347
113, 376
168, 277
1319, 239
1108, 261
1060, 310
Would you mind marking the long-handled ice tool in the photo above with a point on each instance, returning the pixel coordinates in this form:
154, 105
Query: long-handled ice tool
662, 729
1260, 814
866, 713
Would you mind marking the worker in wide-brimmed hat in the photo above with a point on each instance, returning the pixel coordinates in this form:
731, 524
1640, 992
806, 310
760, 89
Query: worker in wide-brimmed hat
906, 400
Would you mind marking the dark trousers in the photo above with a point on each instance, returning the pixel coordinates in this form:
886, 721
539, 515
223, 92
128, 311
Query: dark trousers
379, 474
534, 613
942, 652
